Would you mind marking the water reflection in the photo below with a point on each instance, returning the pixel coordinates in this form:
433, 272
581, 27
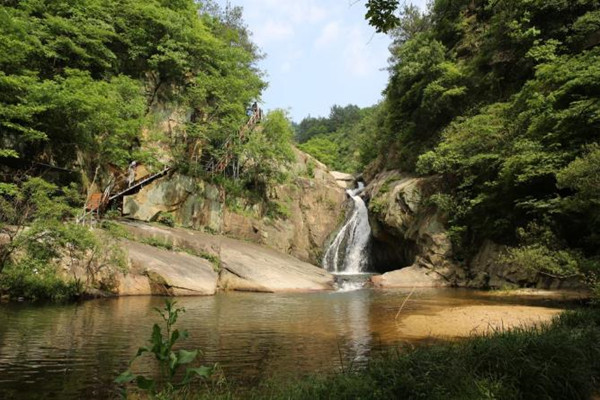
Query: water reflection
75, 351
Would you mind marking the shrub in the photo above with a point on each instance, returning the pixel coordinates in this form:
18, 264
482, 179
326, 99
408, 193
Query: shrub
166, 218
278, 210
34, 280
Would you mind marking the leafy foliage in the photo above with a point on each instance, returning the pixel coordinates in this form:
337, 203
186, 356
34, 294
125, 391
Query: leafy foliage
267, 149
338, 140
40, 236
83, 77
169, 360
501, 99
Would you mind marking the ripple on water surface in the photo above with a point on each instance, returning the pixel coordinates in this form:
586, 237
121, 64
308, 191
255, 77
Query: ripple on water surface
75, 351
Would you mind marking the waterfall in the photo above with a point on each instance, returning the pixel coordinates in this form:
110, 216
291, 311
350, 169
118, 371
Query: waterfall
347, 252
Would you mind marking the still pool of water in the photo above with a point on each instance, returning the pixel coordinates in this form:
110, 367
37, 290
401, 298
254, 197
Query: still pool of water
75, 351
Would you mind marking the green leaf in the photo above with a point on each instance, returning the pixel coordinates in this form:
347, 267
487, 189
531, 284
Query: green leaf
141, 351
156, 337
174, 337
186, 357
172, 362
191, 373
145, 383
125, 377
9, 153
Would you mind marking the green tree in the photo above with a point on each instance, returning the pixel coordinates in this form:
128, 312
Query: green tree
267, 150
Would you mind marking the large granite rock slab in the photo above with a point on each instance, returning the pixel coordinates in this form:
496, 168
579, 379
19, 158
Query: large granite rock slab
159, 271
413, 276
244, 266
410, 237
250, 267
310, 205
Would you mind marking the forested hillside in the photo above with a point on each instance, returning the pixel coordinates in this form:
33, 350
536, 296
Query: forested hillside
89, 86
337, 139
82, 76
501, 98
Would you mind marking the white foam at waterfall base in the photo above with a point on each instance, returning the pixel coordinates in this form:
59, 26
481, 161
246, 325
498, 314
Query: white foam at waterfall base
349, 286
347, 252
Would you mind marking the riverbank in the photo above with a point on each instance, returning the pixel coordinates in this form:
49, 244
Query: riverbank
556, 361
254, 337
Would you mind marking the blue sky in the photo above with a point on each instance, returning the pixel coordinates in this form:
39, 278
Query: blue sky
319, 53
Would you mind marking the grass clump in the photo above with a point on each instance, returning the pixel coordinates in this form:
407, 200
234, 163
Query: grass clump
559, 361
157, 242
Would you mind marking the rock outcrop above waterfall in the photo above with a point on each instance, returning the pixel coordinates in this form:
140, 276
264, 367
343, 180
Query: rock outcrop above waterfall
407, 233
241, 265
412, 247
309, 208
344, 180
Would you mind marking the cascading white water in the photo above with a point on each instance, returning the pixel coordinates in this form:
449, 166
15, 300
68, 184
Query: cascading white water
347, 252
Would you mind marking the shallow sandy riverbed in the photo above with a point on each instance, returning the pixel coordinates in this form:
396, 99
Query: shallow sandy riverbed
470, 320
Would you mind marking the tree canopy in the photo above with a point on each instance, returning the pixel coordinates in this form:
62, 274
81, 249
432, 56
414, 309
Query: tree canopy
501, 98
82, 77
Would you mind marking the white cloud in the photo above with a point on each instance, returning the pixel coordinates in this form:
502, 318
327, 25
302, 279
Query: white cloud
290, 60
273, 31
329, 34
357, 54
287, 11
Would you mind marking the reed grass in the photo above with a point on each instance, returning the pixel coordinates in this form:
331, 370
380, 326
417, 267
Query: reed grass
556, 361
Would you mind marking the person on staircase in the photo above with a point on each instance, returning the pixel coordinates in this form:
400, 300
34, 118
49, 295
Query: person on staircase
131, 173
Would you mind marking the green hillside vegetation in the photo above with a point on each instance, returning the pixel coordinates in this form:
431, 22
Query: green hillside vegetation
339, 139
80, 81
501, 98
88, 86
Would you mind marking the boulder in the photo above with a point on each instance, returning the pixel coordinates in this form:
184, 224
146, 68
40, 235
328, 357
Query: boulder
243, 266
486, 270
167, 272
413, 276
344, 180
192, 203
407, 233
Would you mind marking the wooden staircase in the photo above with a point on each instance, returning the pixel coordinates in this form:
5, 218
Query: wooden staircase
98, 202
137, 185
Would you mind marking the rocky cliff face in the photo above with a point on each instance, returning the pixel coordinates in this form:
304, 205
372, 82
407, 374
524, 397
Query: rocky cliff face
310, 207
410, 243
412, 248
